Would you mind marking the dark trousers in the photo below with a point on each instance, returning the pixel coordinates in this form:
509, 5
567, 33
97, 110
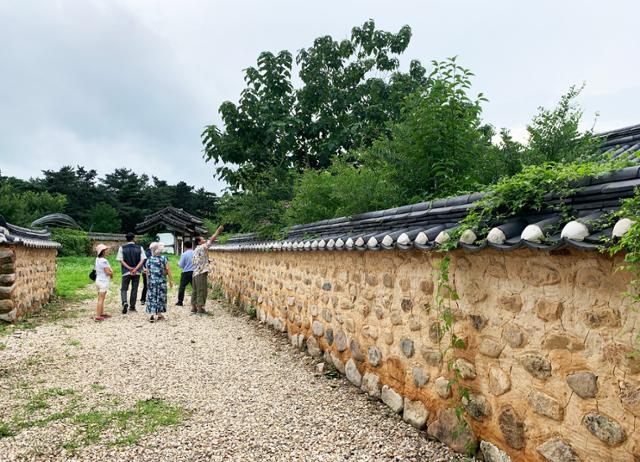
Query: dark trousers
186, 279
124, 288
143, 297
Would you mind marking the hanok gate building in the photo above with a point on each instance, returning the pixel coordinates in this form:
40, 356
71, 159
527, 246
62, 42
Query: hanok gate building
183, 225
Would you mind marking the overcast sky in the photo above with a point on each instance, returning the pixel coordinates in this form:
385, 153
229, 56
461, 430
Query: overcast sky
132, 83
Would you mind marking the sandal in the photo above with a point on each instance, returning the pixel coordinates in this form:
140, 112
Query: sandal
98, 319
160, 317
151, 319
106, 316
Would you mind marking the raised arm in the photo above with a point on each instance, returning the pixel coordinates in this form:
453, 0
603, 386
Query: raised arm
216, 234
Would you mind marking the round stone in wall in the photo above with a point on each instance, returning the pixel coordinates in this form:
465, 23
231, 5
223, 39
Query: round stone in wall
317, 328
467, 369
604, 428
406, 345
313, 348
420, 377
392, 399
431, 356
352, 373
512, 428
477, 406
546, 405
513, 336
536, 365
443, 388
371, 384
340, 340
492, 453
328, 335
374, 356
499, 381
356, 351
415, 413
584, 384
556, 450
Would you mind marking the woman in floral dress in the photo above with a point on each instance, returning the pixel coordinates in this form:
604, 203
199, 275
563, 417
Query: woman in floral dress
158, 273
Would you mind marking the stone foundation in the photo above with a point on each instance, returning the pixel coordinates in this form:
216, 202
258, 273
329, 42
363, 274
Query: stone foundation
27, 279
548, 340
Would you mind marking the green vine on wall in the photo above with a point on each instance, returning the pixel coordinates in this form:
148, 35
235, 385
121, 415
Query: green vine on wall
629, 244
525, 193
446, 296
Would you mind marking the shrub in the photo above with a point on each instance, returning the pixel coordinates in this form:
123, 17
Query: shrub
74, 242
343, 189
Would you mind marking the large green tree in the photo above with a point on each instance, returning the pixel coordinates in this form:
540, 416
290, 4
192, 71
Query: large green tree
351, 90
21, 208
104, 218
78, 184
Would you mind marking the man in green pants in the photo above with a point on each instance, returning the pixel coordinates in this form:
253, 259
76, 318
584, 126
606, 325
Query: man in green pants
199, 282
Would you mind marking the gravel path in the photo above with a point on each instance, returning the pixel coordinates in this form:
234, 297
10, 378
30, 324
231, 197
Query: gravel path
247, 394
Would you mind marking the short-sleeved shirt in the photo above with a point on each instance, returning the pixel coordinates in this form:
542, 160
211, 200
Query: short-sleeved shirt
186, 261
200, 259
101, 264
126, 255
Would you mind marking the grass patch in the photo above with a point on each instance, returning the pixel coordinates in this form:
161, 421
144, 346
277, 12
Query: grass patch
5, 430
217, 292
74, 342
39, 400
72, 277
110, 426
97, 387
3, 346
129, 425
54, 311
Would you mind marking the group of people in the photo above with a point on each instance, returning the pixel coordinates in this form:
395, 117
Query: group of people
154, 269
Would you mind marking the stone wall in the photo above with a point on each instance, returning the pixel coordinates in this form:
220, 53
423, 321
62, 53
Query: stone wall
548, 340
113, 242
113, 245
27, 279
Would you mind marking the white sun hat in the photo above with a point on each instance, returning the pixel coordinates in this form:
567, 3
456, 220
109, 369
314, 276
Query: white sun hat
100, 248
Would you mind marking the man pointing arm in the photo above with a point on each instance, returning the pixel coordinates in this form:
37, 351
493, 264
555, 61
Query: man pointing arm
201, 272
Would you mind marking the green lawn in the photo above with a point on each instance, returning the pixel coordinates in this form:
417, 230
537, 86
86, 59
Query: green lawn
73, 276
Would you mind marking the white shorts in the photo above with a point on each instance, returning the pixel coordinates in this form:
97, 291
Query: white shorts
103, 286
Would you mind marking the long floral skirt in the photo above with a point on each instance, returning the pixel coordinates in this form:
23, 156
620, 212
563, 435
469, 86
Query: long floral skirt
156, 296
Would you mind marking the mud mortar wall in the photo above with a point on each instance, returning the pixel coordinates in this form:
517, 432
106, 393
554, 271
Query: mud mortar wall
548, 339
27, 279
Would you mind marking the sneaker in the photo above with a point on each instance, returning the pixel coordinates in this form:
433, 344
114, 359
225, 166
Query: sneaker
125, 307
179, 304
202, 311
132, 309
194, 310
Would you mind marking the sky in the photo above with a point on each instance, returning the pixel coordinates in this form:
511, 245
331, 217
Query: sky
132, 83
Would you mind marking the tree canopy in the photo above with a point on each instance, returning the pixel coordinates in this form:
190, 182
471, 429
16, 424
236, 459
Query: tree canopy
350, 91
114, 203
359, 134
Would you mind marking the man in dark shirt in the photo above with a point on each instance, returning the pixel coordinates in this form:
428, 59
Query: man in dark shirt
131, 257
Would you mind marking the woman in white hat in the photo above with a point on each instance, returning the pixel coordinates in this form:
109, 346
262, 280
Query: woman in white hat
104, 273
158, 273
